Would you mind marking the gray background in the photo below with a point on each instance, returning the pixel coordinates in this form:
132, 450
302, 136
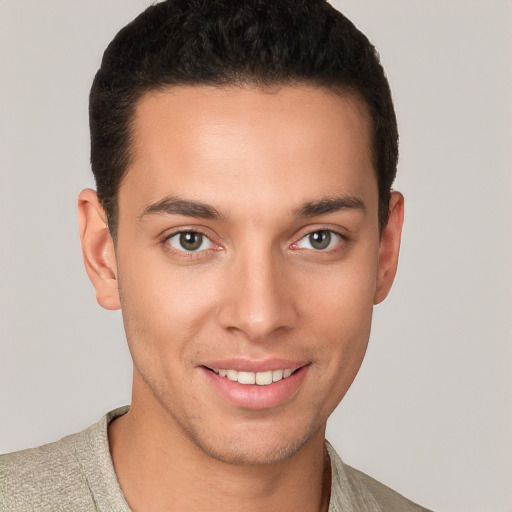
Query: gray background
430, 413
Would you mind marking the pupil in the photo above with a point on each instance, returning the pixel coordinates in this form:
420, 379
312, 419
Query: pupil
191, 241
320, 239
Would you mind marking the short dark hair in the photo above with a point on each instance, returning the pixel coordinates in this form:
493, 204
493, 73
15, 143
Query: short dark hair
226, 42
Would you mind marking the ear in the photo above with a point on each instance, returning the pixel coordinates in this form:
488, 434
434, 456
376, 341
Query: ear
389, 247
98, 249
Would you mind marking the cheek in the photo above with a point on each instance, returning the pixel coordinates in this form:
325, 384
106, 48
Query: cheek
341, 312
344, 324
343, 300
164, 308
345, 328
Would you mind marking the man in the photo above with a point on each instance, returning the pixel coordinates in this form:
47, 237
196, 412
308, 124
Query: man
244, 223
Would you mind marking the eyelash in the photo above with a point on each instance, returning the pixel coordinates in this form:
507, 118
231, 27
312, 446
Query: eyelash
339, 244
183, 253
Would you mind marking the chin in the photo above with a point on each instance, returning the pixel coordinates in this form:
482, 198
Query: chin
254, 446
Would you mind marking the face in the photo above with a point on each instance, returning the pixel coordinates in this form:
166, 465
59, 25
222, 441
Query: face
248, 262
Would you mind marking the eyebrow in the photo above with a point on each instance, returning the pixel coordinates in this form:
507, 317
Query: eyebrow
172, 205
330, 205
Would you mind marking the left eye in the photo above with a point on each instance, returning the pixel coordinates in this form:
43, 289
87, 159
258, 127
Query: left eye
320, 240
189, 241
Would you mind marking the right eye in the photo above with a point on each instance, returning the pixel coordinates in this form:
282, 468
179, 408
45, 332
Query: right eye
189, 241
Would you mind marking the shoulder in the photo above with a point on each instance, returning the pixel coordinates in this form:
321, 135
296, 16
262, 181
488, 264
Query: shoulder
75, 473
387, 498
41, 478
354, 490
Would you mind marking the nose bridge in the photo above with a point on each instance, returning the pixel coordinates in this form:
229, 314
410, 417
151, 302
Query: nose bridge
258, 303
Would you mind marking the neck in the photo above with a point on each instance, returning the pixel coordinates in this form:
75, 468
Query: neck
160, 468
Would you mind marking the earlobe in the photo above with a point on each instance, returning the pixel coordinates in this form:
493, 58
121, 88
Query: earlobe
389, 247
98, 249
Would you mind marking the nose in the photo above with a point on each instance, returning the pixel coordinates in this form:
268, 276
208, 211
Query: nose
258, 297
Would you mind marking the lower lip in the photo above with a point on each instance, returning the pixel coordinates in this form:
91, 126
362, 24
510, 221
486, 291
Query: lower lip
252, 396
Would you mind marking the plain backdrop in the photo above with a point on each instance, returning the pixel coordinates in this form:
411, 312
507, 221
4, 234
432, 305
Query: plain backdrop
430, 413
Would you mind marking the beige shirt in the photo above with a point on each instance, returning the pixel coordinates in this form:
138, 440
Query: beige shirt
76, 474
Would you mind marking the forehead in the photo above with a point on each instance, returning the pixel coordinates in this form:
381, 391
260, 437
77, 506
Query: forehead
248, 145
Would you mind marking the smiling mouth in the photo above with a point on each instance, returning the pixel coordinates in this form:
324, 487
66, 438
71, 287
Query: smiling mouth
254, 378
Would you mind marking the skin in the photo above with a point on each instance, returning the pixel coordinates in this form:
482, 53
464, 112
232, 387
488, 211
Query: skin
256, 289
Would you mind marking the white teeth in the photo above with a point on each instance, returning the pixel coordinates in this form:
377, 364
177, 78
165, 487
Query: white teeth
264, 378
232, 375
277, 375
246, 377
258, 378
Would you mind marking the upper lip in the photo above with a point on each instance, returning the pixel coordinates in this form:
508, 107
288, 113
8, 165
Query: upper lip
253, 365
